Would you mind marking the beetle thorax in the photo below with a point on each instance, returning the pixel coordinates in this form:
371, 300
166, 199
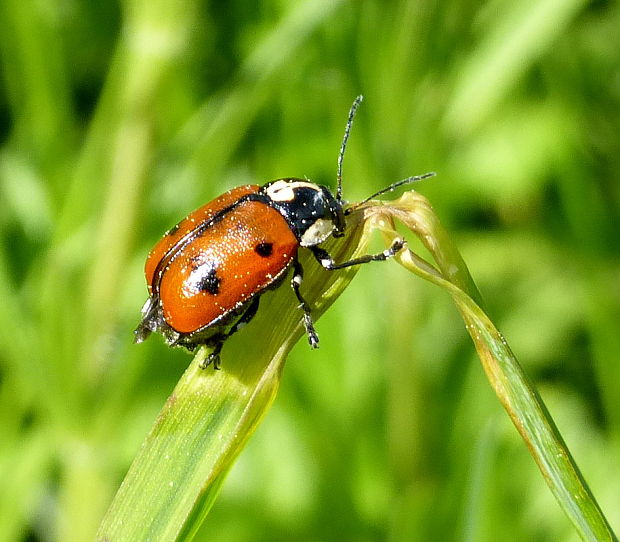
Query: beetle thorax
311, 211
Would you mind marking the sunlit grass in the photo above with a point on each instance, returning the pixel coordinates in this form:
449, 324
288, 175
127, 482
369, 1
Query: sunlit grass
119, 119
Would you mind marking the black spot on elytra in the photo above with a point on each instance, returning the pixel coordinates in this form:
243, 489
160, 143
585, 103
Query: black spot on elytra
210, 282
264, 249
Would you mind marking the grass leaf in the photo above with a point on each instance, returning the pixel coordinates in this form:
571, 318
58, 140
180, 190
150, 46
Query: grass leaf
210, 415
510, 383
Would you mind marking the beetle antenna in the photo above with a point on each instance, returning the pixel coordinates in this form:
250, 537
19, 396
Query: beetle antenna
390, 188
343, 147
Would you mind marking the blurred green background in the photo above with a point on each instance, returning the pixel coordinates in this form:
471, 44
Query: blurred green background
118, 118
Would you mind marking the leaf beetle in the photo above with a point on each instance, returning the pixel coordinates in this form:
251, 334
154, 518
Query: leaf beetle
206, 275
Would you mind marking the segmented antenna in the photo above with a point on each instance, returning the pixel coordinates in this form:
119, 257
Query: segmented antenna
390, 188
347, 131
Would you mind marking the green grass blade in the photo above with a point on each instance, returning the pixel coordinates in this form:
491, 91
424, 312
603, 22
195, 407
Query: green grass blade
523, 404
210, 415
516, 38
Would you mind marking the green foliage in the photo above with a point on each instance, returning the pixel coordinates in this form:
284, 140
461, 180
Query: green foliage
116, 119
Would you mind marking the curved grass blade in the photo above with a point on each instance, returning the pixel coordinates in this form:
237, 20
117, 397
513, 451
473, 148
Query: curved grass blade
209, 417
516, 393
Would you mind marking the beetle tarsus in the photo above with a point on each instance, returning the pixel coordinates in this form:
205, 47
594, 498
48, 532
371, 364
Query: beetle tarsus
311, 333
213, 358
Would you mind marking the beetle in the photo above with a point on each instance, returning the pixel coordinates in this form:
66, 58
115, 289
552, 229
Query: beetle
206, 275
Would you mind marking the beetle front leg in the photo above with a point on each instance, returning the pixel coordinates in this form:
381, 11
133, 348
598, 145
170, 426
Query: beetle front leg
298, 276
327, 261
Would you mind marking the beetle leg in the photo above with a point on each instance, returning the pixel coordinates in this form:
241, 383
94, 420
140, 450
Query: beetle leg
214, 356
298, 276
219, 340
327, 261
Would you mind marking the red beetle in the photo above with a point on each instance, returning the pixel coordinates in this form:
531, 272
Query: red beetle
206, 275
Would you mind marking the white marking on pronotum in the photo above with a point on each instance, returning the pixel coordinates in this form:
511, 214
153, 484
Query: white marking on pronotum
284, 190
